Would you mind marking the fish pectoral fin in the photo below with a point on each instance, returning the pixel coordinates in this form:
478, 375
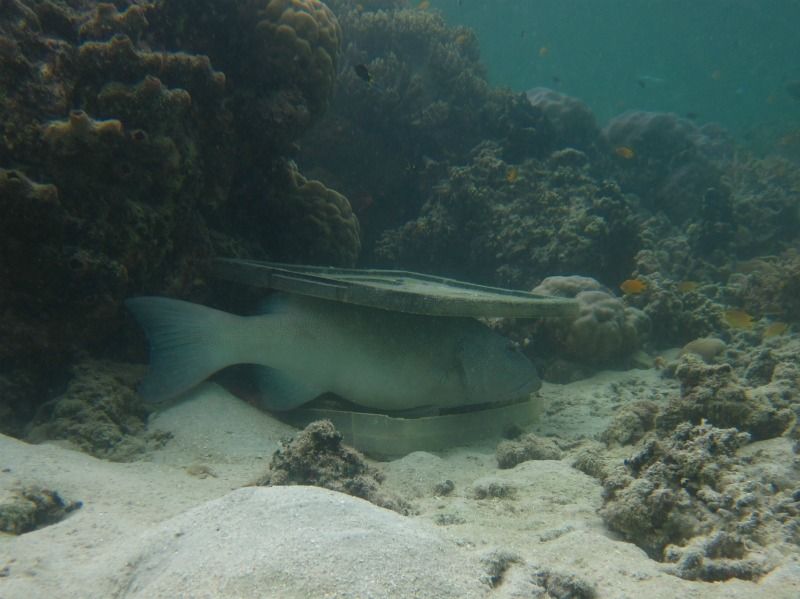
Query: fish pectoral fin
280, 391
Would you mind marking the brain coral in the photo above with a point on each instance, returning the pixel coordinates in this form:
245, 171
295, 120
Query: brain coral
573, 121
604, 330
300, 42
313, 224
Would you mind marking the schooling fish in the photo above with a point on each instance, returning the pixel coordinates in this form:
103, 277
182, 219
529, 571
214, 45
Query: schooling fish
304, 347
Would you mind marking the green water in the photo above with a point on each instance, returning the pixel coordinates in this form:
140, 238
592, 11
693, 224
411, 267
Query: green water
725, 61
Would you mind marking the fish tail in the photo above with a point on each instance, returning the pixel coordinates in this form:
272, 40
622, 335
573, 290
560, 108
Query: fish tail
187, 344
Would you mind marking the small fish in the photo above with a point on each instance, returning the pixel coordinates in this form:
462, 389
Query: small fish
301, 347
544, 51
775, 329
363, 72
716, 74
423, 5
556, 79
633, 286
512, 174
692, 116
738, 319
649, 81
624, 152
688, 286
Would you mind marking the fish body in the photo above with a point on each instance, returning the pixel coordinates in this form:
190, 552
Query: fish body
363, 73
633, 286
625, 152
304, 347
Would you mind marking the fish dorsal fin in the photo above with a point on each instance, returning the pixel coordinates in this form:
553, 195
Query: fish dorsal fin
279, 391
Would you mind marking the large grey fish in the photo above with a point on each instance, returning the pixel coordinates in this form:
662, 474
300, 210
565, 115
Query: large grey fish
305, 347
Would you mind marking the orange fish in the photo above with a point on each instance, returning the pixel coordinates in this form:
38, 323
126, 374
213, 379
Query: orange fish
687, 286
716, 74
544, 51
738, 319
775, 329
624, 152
633, 286
424, 5
512, 174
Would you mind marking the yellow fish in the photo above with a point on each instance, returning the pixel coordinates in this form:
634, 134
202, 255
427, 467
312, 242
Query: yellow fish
738, 319
512, 174
424, 5
633, 286
624, 152
775, 329
687, 286
544, 51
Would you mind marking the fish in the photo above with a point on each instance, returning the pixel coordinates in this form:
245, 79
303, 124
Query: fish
738, 319
512, 174
424, 5
649, 81
775, 329
302, 347
544, 51
688, 286
363, 72
633, 286
624, 152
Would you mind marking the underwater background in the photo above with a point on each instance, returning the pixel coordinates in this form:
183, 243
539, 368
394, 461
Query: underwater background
637, 158
722, 61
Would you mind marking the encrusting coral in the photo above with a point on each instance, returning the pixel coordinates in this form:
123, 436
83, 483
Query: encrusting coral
316, 456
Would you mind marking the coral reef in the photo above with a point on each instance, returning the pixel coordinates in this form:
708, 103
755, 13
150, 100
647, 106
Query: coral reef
316, 456
492, 221
707, 348
527, 447
99, 413
688, 498
313, 224
673, 164
31, 508
138, 140
630, 423
387, 141
769, 285
712, 392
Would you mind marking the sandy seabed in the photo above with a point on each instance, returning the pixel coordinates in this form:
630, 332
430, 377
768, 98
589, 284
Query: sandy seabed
182, 522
